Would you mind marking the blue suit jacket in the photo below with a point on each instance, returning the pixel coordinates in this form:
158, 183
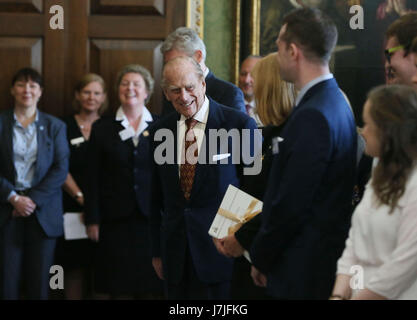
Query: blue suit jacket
221, 91
50, 172
177, 223
307, 205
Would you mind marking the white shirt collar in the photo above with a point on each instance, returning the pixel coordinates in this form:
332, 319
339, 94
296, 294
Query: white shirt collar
146, 117
206, 72
36, 117
311, 84
252, 103
202, 114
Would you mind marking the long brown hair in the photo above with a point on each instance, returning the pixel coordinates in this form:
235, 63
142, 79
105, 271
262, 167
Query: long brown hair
394, 111
274, 97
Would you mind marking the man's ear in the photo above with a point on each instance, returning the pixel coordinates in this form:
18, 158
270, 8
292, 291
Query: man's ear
198, 56
294, 51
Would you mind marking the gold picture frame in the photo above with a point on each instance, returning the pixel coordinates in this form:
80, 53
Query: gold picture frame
195, 16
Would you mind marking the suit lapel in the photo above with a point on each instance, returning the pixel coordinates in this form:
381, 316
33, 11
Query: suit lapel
172, 169
42, 143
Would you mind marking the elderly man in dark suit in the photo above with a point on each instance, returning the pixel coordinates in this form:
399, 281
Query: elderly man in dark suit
307, 205
187, 192
186, 42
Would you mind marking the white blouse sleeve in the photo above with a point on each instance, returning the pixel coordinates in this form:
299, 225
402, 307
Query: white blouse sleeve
348, 258
400, 271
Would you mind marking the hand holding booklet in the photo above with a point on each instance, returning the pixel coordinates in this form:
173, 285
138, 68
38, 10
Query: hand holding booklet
236, 208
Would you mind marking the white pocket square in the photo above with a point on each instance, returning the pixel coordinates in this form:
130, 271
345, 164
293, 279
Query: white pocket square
218, 157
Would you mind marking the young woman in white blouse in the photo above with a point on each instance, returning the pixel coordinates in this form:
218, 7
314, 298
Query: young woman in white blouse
380, 258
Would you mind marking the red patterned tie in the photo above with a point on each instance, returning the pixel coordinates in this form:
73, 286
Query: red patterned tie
248, 107
190, 156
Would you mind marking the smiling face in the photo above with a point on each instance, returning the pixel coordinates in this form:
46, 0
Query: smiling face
26, 93
184, 88
245, 77
403, 67
91, 97
132, 90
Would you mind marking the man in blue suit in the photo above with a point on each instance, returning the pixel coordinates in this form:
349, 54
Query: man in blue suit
186, 42
186, 194
306, 213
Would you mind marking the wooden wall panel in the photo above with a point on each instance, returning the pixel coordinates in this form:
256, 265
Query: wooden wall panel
21, 6
99, 36
145, 7
16, 53
109, 56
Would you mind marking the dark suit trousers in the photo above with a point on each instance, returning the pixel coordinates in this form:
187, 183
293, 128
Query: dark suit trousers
191, 288
26, 255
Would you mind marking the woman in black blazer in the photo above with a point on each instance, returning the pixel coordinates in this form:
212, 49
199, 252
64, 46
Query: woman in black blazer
90, 101
117, 195
274, 101
33, 166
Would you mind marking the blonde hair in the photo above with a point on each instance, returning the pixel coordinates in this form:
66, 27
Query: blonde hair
274, 97
85, 81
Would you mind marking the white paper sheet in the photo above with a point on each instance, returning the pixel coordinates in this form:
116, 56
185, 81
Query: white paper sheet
73, 226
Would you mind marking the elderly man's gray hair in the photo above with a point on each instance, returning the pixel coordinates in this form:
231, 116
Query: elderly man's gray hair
185, 40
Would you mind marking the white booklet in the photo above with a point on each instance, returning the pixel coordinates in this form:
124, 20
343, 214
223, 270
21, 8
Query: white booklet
236, 208
74, 228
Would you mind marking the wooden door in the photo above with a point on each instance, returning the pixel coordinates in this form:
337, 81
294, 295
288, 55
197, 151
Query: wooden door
99, 36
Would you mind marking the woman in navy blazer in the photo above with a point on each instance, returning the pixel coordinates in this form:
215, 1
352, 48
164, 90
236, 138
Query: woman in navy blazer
117, 193
33, 166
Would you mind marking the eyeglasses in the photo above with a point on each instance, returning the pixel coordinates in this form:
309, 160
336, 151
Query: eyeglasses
389, 52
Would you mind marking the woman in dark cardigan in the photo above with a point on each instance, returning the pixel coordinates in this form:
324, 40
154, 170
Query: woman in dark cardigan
117, 194
274, 101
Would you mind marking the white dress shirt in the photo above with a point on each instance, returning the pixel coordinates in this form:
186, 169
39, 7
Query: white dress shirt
385, 245
311, 84
201, 116
252, 112
146, 117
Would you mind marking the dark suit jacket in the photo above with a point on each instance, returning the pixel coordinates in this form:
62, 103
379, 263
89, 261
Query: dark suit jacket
177, 223
221, 91
50, 172
307, 205
115, 169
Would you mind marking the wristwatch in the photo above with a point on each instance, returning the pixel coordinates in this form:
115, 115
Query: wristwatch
79, 194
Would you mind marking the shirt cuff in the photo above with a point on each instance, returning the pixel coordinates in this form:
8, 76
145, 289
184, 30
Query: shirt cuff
11, 194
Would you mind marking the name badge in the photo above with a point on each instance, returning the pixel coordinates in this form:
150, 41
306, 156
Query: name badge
126, 134
275, 144
77, 141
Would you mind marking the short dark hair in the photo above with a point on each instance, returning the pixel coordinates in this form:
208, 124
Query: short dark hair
313, 31
404, 30
27, 74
